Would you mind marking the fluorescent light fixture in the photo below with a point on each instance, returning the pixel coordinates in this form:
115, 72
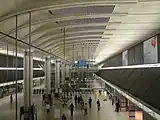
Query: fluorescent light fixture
38, 59
9, 68
133, 66
37, 68
136, 102
19, 81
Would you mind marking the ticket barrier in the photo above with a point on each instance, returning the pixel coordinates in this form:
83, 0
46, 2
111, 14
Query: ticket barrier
38, 91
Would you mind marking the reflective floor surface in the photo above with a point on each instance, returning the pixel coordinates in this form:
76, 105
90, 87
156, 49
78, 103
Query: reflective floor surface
7, 110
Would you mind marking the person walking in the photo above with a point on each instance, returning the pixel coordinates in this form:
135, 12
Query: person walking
71, 107
11, 98
117, 106
98, 104
90, 102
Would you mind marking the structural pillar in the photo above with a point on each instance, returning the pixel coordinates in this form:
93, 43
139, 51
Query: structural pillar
57, 74
67, 71
28, 79
63, 72
47, 75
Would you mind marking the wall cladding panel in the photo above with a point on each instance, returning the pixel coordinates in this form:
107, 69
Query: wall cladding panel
151, 95
114, 61
10, 76
135, 55
142, 83
131, 56
138, 51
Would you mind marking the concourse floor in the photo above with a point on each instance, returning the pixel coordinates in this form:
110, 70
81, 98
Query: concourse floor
7, 110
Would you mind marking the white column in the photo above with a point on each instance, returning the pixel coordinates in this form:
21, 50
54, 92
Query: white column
28, 79
47, 75
67, 70
57, 74
63, 72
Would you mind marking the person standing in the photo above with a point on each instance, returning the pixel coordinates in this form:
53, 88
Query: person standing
71, 107
11, 98
90, 102
75, 99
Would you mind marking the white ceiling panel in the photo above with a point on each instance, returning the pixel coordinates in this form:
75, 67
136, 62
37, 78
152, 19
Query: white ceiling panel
107, 27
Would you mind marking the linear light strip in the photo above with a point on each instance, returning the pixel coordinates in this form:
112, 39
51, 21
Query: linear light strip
10, 68
140, 105
133, 66
19, 81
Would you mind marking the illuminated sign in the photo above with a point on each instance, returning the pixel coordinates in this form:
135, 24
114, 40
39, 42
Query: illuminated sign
153, 42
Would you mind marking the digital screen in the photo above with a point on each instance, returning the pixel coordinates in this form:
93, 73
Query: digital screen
82, 62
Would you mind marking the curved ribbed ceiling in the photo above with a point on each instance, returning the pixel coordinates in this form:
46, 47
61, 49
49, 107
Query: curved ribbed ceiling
95, 30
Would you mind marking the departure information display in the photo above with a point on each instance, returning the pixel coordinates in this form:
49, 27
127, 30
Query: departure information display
82, 63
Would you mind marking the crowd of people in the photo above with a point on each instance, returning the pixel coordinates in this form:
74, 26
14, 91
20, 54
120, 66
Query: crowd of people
116, 102
84, 106
79, 101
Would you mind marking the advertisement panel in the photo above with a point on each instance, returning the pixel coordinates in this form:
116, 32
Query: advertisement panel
125, 58
150, 51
